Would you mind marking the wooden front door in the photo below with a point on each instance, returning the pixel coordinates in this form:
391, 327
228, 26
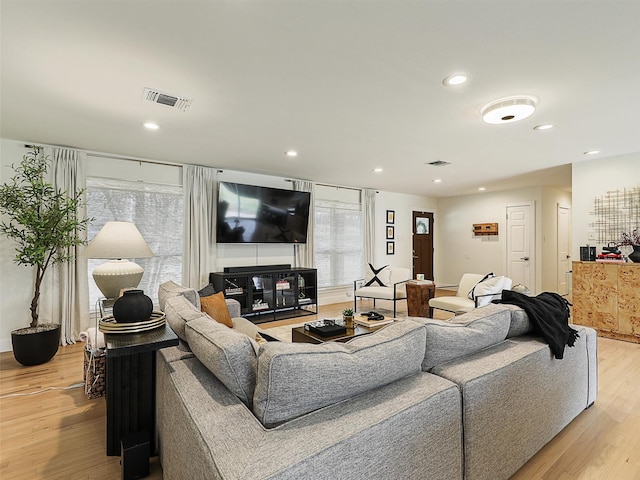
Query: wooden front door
423, 244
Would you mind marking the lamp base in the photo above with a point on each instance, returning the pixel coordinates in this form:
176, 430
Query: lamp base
114, 275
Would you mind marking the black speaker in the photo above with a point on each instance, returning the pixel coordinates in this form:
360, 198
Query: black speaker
587, 254
135, 456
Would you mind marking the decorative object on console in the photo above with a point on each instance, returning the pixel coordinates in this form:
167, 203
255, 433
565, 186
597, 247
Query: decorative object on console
117, 241
109, 325
132, 306
631, 239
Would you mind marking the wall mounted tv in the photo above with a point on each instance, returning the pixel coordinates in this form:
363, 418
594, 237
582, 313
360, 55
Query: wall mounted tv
252, 214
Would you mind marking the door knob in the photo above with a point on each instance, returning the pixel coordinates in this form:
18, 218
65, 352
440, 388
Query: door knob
524, 258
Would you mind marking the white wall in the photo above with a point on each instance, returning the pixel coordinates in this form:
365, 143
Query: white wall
594, 178
459, 251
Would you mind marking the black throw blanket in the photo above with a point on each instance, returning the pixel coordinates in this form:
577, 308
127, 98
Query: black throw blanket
549, 313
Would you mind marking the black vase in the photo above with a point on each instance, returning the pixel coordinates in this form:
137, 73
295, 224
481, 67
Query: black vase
132, 306
35, 347
635, 255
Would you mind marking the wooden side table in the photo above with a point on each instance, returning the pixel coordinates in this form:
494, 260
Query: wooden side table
131, 384
418, 295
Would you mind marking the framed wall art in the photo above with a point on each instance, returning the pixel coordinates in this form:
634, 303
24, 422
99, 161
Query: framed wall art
391, 248
391, 216
390, 232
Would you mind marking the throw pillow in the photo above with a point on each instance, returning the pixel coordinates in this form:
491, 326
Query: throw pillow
471, 292
485, 290
376, 276
207, 291
215, 306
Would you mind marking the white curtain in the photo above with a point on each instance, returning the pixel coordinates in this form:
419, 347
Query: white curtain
65, 289
305, 254
368, 227
199, 184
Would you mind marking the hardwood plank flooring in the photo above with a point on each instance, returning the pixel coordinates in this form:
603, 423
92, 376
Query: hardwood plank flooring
60, 434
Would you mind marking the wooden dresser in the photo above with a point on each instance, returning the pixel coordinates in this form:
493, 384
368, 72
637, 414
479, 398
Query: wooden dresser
606, 296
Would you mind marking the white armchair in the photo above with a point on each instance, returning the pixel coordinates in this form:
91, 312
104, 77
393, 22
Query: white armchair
474, 290
393, 289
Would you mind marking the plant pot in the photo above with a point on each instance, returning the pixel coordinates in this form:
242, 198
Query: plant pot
635, 255
35, 346
348, 321
132, 306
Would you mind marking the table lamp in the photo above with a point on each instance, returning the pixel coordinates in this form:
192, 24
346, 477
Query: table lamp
117, 241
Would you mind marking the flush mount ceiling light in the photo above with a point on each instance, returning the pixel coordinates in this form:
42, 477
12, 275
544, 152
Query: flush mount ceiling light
291, 153
377, 170
592, 152
509, 110
544, 126
437, 180
455, 79
151, 126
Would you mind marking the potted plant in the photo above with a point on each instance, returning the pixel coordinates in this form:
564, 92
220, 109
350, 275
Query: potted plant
631, 239
43, 223
347, 317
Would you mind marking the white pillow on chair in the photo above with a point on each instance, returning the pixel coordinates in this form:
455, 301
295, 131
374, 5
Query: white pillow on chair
489, 287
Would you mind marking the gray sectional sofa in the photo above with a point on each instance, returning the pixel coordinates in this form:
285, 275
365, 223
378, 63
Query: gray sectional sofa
471, 398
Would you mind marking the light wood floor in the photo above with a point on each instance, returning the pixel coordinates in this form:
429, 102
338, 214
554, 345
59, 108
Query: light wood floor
60, 434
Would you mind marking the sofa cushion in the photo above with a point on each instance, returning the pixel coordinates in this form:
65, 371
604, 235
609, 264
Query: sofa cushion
171, 289
471, 293
228, 354
178, 311
464, 334
520, 323
215, 306
297, 378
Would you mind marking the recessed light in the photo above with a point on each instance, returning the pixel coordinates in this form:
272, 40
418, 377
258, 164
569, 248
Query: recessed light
377, 170
291, 153
151, 126
544, 126
455, 79
591, 152
481, 189
437, 180
509, 110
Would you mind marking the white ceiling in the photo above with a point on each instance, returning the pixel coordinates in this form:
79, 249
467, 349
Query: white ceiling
351, 85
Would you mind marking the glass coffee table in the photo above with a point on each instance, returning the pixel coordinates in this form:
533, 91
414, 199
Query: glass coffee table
300, 335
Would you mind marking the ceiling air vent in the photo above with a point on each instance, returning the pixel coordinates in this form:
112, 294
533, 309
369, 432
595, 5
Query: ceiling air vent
173, 101
439, 163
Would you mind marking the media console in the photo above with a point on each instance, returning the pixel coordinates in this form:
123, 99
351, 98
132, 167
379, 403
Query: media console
269, 292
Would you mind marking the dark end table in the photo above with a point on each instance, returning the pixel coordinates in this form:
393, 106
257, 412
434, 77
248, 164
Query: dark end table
418, 295
131, 384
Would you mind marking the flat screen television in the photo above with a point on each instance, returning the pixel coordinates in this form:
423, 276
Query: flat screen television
252, 214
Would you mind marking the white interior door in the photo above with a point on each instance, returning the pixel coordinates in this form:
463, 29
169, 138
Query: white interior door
564, 248
521, 244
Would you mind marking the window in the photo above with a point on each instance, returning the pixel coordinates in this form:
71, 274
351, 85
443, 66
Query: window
338, 236
157, 212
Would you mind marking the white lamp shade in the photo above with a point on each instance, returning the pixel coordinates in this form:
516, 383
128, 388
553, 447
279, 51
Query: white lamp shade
118, 240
